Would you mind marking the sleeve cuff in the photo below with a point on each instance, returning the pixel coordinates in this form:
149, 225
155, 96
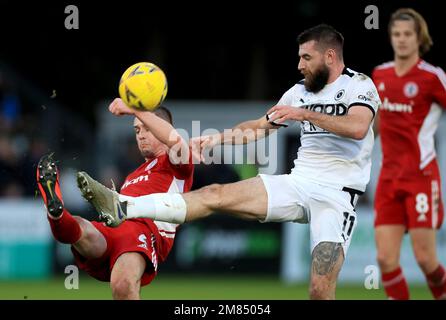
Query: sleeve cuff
276, 124
364, 105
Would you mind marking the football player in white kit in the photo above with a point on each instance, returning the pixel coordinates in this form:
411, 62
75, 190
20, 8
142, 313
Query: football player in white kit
336, 107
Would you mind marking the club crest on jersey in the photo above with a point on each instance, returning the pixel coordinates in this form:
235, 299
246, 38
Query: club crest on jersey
339, 95
410, 89
151, 165
381, 86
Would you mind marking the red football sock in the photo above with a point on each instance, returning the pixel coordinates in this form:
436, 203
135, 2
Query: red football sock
395, 285
437, 282
65, 228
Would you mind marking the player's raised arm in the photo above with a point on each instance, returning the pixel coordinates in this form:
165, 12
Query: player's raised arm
251, 130
353, 125
160, 128
248, 131
243, 133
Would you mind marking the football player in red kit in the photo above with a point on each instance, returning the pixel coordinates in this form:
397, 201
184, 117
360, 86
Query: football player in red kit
408, 196
127, 256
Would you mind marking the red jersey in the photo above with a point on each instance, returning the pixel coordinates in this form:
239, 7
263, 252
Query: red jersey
411, 108
159, 175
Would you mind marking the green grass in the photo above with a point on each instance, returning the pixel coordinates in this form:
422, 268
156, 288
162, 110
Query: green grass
169, 287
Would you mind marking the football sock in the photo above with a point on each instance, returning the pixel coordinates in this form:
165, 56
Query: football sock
437, 282
168, 207
65, 228
395, 285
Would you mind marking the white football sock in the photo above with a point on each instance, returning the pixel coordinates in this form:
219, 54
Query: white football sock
168, 207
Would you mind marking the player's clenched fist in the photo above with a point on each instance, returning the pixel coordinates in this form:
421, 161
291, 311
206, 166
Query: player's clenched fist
198, 144
279, 114
209, 141
119, 108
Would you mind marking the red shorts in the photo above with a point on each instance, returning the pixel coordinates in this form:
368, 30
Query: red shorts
414, 204
130, 236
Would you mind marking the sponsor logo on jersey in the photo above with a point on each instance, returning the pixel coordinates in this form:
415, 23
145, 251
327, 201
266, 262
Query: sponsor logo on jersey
338, 109
396, 107
135, 181
364, 98
331, 109
410, 89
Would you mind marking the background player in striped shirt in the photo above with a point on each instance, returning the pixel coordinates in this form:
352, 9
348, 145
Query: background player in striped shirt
128, 255
408, 196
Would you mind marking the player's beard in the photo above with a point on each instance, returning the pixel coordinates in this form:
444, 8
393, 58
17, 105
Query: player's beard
316, 81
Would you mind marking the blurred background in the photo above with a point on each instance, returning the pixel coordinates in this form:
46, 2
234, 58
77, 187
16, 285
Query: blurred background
225, 63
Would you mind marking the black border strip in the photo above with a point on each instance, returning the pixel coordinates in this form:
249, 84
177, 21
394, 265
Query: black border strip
276, 124
364, 105
351, 190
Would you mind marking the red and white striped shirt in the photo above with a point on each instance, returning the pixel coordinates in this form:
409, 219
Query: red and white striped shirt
409, 115
159, 175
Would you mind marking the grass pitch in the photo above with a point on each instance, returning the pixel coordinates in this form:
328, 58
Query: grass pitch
174, 287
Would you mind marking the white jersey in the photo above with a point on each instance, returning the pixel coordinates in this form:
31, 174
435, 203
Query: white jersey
327, 158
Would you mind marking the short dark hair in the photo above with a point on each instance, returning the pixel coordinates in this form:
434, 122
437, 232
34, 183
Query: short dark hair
326, 36
164, 113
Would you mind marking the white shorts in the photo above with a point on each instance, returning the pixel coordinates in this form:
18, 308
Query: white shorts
330, 212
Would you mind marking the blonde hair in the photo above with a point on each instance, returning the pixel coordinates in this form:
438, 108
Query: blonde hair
409, 14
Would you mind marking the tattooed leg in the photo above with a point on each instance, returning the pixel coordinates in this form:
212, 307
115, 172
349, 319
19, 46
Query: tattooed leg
326, 262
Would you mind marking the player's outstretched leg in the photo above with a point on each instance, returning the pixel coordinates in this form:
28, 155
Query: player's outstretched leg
81, 233
105, 201
64, 227
246, 199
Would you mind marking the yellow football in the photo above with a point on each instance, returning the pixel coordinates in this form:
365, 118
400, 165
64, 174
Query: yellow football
143, 86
